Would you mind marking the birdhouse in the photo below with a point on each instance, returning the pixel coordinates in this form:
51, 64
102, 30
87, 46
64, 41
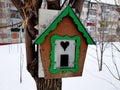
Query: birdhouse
63, 46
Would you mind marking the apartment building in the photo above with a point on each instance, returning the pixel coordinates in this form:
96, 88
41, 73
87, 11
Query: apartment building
9, 23
101, 20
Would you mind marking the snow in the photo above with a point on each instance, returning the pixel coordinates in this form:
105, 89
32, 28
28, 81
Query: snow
92, 79
10, 69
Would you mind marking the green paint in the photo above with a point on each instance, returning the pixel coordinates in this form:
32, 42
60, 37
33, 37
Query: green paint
65, 12
52, 54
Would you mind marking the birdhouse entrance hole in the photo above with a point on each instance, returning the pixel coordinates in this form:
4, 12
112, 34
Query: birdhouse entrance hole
64, 61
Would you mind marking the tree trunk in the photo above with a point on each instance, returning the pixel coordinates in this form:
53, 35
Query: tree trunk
49, 84
32, 66
78, 4
32, 59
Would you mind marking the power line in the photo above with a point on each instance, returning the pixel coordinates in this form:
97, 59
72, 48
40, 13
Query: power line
11, 25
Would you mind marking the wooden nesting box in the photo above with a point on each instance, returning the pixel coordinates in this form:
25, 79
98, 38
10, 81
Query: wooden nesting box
63, 46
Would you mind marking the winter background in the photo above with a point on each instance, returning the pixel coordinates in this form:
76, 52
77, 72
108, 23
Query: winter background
13, 68
14, 75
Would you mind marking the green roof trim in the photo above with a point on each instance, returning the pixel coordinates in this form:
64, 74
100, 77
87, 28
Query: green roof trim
67, 11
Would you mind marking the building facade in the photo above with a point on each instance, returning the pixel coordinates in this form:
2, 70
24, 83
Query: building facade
9, 21
101, 20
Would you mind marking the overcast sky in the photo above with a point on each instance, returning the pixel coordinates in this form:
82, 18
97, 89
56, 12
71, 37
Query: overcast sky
106, 1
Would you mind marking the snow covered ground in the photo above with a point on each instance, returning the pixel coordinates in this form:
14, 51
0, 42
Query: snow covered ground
12, 55
92, 79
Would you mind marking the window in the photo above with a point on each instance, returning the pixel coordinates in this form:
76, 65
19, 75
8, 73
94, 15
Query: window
92, 20
2, 4
9, 36
14, 35
86, 5
14, 14
92, 12
3, 35
8, 5
21, 35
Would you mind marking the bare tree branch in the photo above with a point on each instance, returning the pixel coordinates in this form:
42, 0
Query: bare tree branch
19, 5
53, 4
116, 67
116, 47
111, 72
78, 4
64, 3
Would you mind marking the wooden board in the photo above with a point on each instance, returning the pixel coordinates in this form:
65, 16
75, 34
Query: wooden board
45, 18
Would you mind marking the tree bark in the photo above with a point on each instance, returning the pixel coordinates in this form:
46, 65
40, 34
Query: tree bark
78, 4
32, 60
29, 12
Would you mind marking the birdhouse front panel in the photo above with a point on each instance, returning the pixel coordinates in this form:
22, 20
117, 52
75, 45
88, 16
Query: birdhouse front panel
63, 51
63, 46
64, 54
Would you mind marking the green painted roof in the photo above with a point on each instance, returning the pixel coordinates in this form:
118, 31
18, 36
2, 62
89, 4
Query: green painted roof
65, 12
